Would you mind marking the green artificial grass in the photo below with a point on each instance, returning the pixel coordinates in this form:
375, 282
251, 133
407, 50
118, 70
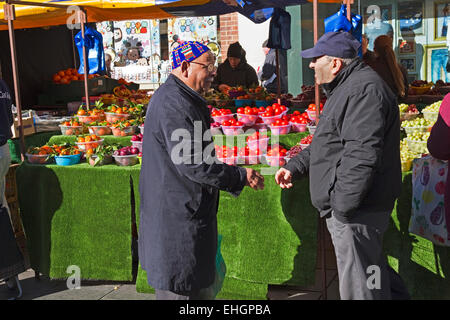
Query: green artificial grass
34, 140
269, 237
124, 141
77, 215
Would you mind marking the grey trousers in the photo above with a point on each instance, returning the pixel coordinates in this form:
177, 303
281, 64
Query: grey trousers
363, 271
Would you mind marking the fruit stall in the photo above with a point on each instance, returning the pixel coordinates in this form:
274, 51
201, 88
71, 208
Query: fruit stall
79, 199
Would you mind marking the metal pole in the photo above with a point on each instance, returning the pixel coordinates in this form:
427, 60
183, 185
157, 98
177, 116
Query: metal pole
278, 77
321, 222
82, 18
9, 13
316, 37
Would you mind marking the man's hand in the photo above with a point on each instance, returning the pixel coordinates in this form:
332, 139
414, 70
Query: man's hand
254, 179
283, 178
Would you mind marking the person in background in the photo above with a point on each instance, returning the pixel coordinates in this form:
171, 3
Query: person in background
383, 61
268, 74
354, 166
180, 181
439, 145
6, 121
235, 71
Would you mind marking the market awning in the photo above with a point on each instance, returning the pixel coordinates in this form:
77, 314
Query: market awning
28, 16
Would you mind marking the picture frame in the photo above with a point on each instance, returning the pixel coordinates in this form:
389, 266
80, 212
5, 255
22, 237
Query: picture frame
410, 18
441, 20
406, 46
436, 57
409, 63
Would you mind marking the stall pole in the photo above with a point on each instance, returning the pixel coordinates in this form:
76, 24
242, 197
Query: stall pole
9, 13
321, 223
278, 77
82, 19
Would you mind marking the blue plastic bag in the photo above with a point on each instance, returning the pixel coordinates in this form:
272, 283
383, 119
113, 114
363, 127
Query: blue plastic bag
339, 22
94, 51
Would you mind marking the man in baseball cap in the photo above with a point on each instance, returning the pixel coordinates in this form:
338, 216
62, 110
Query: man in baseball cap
354, 166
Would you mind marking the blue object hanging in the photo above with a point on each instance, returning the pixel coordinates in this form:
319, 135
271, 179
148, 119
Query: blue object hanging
94, 51
339, 22
280, 30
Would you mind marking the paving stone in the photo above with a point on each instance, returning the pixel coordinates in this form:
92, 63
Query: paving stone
128, 292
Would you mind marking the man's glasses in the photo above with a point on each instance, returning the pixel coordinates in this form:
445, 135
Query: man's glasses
211, 67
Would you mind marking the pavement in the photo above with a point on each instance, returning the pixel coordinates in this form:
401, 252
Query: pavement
49, 289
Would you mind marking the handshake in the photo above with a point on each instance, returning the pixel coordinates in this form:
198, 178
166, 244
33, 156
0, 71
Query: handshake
255, 180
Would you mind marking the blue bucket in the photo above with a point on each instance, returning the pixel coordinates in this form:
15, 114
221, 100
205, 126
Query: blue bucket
262, 103
68, 160
243, 102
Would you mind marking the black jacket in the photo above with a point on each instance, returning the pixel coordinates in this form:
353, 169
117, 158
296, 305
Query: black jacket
179, 201
354, 158
270, 68
244, 75
6, 117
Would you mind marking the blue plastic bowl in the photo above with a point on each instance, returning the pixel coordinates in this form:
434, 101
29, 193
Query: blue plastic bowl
262, 103
68, 160
243, 102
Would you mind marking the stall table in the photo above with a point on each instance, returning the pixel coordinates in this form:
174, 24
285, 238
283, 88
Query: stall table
82, 215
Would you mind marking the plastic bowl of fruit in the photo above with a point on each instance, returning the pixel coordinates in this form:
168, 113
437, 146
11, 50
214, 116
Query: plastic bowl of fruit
269, 120
91, 118
126, 131
298, 127
417, 146
253, 159
232, 161
137, 144
84, 146
247, 119
232, 130
128, 160
107, 159
279, 130
113, 117
311, 129
276, 161
100, 130
259, 126
430, 116
304, 145
224, 117
38, 159
68, 160
411, 130
71, 130
215, 129
260, 144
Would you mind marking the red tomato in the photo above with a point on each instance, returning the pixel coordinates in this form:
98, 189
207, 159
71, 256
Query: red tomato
240, 110
262, 109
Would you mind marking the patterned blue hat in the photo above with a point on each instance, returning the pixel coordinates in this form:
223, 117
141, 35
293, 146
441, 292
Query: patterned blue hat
187, 51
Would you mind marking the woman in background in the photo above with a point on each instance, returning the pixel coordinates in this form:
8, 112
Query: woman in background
383, 61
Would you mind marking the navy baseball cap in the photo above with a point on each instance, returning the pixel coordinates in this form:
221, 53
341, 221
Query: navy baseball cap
335, 44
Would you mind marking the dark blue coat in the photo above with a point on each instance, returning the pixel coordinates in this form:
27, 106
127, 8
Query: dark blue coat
179, 202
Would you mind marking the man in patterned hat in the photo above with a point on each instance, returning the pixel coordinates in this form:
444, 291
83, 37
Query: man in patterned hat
180, 183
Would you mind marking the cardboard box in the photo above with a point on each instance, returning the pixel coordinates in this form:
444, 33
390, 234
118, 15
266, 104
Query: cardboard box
28, 126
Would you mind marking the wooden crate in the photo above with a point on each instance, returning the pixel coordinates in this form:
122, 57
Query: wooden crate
11, 185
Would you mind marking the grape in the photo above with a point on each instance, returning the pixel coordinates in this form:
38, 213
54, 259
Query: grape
434, 107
